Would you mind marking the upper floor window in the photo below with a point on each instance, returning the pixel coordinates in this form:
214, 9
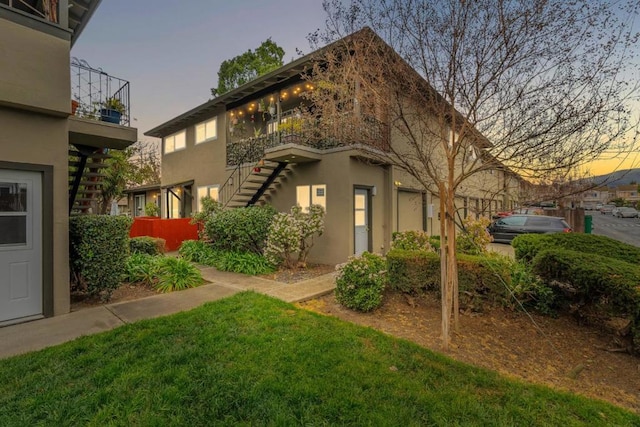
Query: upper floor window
175, 142
206, 131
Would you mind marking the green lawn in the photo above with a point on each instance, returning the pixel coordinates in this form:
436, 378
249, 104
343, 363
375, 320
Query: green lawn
254, 360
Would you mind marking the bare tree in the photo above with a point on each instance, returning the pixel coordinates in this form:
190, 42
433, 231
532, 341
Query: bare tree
462, 87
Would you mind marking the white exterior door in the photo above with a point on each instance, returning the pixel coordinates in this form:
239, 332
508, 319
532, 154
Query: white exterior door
361, 220
20, 245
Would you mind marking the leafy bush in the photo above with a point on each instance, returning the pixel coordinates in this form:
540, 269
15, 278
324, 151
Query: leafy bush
175, 274
208, 209
198, 251
240, 229
360, 282
147, 245
527, 246
593, 285
434, 241
151, 209
99, 247
530, 291
413, 271
411, 241
243, 262
474, 237
142, 268
293, 233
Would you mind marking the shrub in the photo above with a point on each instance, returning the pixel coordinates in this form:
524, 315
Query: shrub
151, 209
243, 262
147, 245
593, 285
198, 251
293, 233
527, 246
475, 237
360, 282
530, 291
99, 247
208, 209
434, 241
413, 271
142, 268
240, 229
411, 241
175, 274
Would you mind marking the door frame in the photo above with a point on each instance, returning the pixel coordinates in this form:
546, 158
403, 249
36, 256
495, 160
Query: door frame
369, 200
46, 173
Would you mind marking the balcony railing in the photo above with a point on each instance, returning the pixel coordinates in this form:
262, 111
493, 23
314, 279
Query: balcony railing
99, 96
292, 128
45, 9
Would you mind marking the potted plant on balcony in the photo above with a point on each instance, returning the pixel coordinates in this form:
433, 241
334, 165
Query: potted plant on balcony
111, 110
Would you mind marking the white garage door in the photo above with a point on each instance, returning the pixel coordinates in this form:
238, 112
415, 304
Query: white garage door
20, 245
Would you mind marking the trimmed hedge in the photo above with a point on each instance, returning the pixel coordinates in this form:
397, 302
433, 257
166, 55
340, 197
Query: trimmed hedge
593, 284
99, 248
478, 276
147, 245
240, 229
527, 246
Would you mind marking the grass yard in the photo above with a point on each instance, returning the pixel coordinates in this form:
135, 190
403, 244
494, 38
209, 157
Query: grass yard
253, 360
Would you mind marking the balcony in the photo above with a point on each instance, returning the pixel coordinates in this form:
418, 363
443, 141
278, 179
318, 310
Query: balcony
100, 108
43, 9
303, 136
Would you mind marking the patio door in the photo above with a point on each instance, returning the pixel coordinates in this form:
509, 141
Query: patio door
20, 245
139, 203
361, 220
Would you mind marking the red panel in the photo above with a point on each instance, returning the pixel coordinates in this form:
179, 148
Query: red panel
174, 231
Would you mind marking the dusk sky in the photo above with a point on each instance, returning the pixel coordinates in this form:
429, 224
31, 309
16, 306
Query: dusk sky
171, 51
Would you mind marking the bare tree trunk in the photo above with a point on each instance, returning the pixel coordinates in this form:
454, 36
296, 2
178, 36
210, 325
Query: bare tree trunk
451, 258
444, 288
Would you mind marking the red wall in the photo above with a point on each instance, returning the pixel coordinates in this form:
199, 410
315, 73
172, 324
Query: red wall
174, 231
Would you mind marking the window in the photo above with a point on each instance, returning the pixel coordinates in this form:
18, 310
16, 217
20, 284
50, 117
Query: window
207, 130
307, 195
175, 142
207, 191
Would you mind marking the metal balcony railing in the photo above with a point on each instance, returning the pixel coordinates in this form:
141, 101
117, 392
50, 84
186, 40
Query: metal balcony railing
45, 9
98, 96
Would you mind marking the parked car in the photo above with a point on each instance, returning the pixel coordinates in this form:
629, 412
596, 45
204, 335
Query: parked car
627, 213
599, 206
605, 209
504, 230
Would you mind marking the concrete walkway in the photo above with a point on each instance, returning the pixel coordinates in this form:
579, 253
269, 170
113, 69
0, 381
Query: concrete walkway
25, 337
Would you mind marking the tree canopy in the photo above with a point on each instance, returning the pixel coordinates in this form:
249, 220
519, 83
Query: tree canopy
247, 66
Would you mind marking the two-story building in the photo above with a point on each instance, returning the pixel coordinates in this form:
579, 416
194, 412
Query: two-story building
255, 145
49, 159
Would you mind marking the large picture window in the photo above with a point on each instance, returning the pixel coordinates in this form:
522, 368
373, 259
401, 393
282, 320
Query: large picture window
175, 142
207, 191
207, 131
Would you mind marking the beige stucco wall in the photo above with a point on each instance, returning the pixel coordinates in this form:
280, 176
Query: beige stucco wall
38, 139
34, 70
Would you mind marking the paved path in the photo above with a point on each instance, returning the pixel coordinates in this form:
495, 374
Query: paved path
25, 337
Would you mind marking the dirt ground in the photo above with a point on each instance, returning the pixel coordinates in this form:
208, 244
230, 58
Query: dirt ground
555, 352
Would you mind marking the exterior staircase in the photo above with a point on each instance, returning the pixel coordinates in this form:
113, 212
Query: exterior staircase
86, 166
254, 184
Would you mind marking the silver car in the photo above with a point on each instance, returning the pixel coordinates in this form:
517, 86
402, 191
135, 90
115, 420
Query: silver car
627, 213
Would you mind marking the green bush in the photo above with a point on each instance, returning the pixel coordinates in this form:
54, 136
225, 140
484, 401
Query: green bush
413, 271
434, 241
360, 282
151, 209
243, 262
142, 268
530, 291
147, 245
176, 274
412, 240
474, 236
527, 246
99, 247
593, 285
198, 251
240, 229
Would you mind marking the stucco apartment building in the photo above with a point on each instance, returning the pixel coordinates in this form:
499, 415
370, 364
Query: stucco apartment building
44, 150
248, 146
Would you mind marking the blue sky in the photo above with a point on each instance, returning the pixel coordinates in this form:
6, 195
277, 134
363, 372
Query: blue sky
170, 51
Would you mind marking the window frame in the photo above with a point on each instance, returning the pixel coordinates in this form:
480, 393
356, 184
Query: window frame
172, 138
204, 125
313, 197
208, 189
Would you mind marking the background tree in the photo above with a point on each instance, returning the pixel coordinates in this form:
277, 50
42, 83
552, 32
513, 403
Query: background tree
245, 67
537, 86
138, 164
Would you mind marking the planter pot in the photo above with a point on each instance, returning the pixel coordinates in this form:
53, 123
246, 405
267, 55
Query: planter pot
272, 111
110, 116
74, 106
